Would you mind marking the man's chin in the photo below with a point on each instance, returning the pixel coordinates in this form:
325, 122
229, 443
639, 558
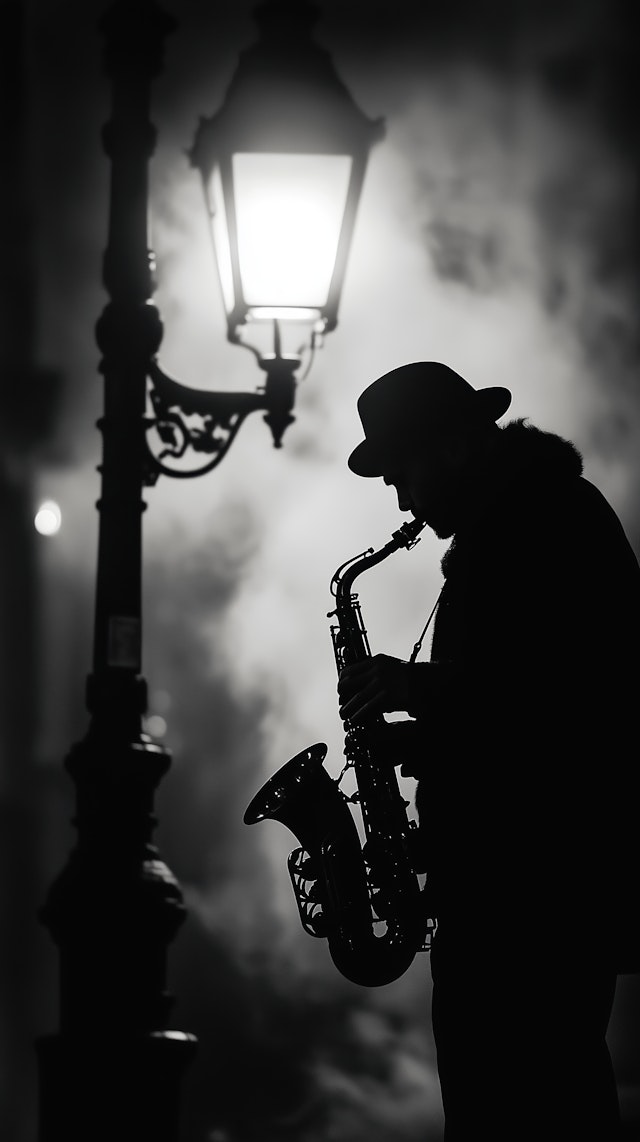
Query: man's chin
441, 529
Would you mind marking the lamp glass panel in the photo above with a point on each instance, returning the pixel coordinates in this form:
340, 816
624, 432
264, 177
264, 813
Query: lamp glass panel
221, 240
289, 211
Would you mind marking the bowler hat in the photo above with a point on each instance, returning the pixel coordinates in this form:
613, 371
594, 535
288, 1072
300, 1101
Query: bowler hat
417, 402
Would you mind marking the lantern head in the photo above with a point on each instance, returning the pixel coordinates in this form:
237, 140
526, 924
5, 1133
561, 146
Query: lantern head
282, 164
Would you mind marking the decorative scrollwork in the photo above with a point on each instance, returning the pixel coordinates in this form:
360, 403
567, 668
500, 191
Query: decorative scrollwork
198, 421
191, 420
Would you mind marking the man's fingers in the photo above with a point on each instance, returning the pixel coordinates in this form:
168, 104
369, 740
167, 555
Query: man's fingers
364, 700
355, 680
357, 716
356, 670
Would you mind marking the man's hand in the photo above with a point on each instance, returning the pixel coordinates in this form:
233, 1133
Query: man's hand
406, 747
377, 685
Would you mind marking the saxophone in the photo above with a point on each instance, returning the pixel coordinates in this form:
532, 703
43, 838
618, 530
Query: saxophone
364, 899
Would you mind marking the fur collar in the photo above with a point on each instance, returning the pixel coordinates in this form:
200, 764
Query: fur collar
527, 449
524, 457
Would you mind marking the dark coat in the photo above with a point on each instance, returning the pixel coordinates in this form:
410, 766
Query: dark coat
526, 799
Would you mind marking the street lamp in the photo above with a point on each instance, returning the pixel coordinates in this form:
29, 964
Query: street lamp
282, 164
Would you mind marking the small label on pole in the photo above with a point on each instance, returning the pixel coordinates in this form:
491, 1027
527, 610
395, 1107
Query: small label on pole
124, 641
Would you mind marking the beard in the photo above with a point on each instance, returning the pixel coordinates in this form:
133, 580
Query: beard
442, 531
440, 515
442, 504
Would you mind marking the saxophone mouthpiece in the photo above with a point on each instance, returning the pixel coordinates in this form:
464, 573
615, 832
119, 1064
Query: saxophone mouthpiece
409, 534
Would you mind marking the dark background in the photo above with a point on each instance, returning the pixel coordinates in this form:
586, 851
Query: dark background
498, 232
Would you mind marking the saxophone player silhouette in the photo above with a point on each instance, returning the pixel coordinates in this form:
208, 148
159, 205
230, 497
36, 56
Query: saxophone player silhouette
522, 717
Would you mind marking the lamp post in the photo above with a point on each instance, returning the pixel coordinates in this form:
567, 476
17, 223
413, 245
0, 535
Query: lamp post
113, 1069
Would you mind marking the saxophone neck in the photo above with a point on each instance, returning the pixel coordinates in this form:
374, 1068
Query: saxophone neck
406, 536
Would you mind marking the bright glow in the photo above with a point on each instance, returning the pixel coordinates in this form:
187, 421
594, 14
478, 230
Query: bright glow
221, 240
284, 313
48, 518
289, 211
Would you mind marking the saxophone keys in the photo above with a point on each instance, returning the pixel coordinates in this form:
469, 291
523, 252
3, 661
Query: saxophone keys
381, 903
302, 866
307, 868
314, 894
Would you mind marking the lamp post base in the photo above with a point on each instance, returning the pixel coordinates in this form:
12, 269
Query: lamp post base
112, 1072
103, 1087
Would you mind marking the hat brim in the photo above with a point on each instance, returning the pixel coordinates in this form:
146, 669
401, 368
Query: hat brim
370, 459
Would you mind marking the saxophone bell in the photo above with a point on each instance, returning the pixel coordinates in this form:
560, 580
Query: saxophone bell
304, 797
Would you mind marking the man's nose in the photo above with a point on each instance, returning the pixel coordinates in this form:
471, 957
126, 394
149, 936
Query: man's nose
393, 478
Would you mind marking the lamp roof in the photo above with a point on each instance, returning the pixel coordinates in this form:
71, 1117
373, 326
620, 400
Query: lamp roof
285, 95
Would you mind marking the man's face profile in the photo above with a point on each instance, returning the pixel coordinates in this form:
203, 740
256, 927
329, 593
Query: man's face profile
427, 479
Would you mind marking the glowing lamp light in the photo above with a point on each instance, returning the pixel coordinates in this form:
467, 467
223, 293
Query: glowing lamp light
289, 211
48, 518
282, 164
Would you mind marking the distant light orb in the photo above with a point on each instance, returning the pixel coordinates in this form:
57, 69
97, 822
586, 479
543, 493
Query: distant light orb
48, 518
156, 726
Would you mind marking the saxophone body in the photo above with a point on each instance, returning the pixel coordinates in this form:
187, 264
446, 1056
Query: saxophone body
363, 897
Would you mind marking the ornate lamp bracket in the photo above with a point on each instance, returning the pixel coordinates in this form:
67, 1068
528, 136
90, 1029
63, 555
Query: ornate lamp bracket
188, 421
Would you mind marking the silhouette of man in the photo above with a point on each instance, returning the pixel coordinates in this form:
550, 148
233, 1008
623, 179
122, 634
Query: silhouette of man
523, 742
